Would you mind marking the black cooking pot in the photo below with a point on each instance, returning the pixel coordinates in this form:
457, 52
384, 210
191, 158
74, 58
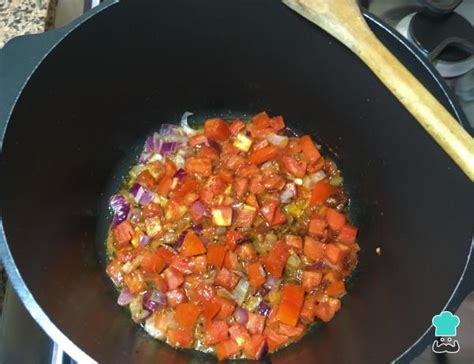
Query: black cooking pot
100, 85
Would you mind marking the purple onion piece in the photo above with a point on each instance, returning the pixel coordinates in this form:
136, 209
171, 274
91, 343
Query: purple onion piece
147, 198
149, 145
135, 215
262, 351
145, 240
199, 208
121, 209
214, 145
197, 229
125, 297
241, 316
263, 291
159, 297
180, 239
157, 143
169, 148
141, 195
271, 282
149, 304
180, 174
264, 309
144, 157
168, 129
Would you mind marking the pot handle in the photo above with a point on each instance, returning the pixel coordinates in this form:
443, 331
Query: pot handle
21, 55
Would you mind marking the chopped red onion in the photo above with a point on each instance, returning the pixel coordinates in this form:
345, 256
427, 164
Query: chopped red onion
159, 297
169, 148
180, 174
197, 229
262, 351
149, 304
157, 142
214, 145
263, 291
271, 282
145, 240
180, 239
125, 297
241, 316
149, 144
199, 208
121, 209
288, 193
240, 291
141, 195
135, 215
168, 129
264, 309
278, 140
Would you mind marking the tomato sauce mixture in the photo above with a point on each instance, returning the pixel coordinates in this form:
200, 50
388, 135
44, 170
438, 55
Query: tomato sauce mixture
232, 239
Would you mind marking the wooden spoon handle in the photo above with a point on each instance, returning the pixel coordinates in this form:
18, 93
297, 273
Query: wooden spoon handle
340, 20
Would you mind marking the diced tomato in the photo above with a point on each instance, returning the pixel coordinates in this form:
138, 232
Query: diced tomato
321, 191
256, 274
182, 264
123, 233
254, 346
192, 245
316, 227
291, 302
174, 279
208, 153
166, 254
226, 349
255, 323
347, 234
187, 186
198, 211
236, 126
152, 262
211, 309
279, 217
309, 305
235, 161
246, 252
336, 289
273, 183
216, 254
262, 155
268, 210
216, 129
199, 264
215, 332
153, 226
233, 238
222, 215
175, 297
314, 167
334, 254
170, 168
227, 307
146, 179
294, 242
200, 166
159, 282
240, 186
227, 279
313, 249
231, 261
311, 280
261, 120
135, 281
114, 270
275, 340
256, 186
246, 216
186, 315
152, 209
309, 149
197, 140
335, 219
291, 331
215, 184
164, 320
277, 123
174, 211
180, 338
239, 334
326, 310
226, 175
294, 167
248, 170
275, 260
204, 292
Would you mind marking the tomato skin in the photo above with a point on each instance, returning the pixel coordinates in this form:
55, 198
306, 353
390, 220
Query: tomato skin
236, 126
309, 149
290, 304
275, 260
200, 166
123, 233
294, 167
175, 297
335, 219
180, 338
215, 332
226, 349
146, 180
262, 155
321, 191
216, 129
277, 123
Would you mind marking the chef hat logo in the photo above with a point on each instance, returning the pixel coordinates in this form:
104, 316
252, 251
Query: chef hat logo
445, 324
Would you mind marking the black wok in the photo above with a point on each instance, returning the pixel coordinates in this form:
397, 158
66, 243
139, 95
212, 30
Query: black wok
74, 102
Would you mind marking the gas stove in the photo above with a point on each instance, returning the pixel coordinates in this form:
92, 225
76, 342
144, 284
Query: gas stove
442, 30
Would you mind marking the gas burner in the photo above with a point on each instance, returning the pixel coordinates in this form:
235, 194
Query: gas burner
447, 41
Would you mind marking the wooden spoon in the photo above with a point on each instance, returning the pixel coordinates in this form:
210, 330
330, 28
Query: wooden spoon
344, 21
